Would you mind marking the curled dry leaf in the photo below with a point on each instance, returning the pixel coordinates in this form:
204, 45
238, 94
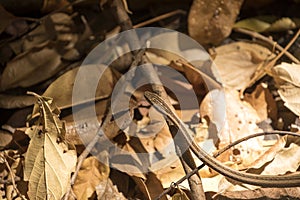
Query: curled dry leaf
210, 22
49, 161
287, 81
236, 63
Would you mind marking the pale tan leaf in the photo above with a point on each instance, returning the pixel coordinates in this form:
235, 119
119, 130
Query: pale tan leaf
231, 119
285, 161
237, 62
288, 83
48, 162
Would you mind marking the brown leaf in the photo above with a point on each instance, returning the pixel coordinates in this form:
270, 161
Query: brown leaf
209, 22
30, 68
12, 101
5, 138
91, 174
263, 102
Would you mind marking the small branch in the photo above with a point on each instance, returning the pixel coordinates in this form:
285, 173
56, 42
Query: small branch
159, 18
12, 175
268, 40
267, 68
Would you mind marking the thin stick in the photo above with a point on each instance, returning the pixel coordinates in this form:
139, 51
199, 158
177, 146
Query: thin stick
266, 69
13, 178
159, 18
222, 151
268, 40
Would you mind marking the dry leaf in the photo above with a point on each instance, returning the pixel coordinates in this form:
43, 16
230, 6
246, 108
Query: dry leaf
5, 138
48, 162
5, 19
210, 22
30, 68
267, 23
12, 101
285, 161
287, 81
236, 63
90, 175
231, 119
263, 102
65, 84
106, 190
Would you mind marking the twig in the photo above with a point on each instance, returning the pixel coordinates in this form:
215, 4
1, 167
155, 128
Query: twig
222, 151
158, 18
12, 178
266, 69
268, 40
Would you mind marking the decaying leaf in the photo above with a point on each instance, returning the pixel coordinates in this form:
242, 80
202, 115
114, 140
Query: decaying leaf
236, 63
210, 22
49, 161
287, 80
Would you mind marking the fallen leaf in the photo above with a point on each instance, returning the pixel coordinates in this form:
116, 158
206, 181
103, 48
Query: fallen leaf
209, 22
267, 24
235, 63
263, 102
91, 174
287, 81
106, 190
49, 161
231, 119
13, 101
30, 68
